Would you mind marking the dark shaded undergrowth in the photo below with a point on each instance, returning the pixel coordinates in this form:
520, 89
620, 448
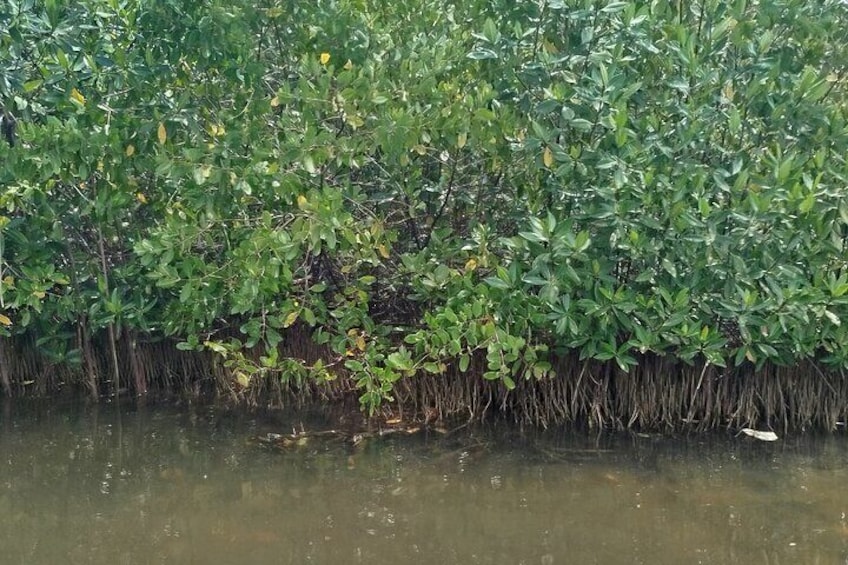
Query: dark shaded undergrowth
659, 394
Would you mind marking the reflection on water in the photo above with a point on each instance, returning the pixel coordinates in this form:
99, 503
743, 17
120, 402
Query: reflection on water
161, 485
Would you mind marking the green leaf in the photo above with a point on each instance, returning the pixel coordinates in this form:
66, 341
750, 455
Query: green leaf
482, 53
807, 204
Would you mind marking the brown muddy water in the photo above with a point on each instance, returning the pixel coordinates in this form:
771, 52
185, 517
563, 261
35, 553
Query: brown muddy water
103, 485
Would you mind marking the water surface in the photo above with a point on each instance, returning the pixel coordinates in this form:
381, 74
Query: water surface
103, 485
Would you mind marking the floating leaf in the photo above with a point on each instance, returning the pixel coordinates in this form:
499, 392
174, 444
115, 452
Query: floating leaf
762, 436
162, 133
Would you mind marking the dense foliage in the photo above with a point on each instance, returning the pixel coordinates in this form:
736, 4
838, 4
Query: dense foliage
419, 183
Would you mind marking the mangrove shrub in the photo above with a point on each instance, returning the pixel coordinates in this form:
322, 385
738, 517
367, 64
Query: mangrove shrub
417, 185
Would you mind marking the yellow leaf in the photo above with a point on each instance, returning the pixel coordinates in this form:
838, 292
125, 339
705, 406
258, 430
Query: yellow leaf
461, 140
348, 66
548, 157
383, 251
9, 280
291, 319
5, 320
471, 264
130, 150
420, 149
216, 346
360, 343
354, 121
162, 133
275, 101
77, 97
141, 197
301, 201
39, 294
324, 58
242, 379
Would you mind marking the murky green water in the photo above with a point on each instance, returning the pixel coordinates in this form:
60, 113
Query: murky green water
162, 485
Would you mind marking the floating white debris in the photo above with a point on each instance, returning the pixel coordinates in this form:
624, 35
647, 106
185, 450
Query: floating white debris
762, 436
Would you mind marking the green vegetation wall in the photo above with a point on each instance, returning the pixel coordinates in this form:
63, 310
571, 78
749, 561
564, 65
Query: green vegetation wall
419, 184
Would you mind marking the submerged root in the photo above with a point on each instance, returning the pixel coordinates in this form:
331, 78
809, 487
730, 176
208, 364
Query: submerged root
659, 394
